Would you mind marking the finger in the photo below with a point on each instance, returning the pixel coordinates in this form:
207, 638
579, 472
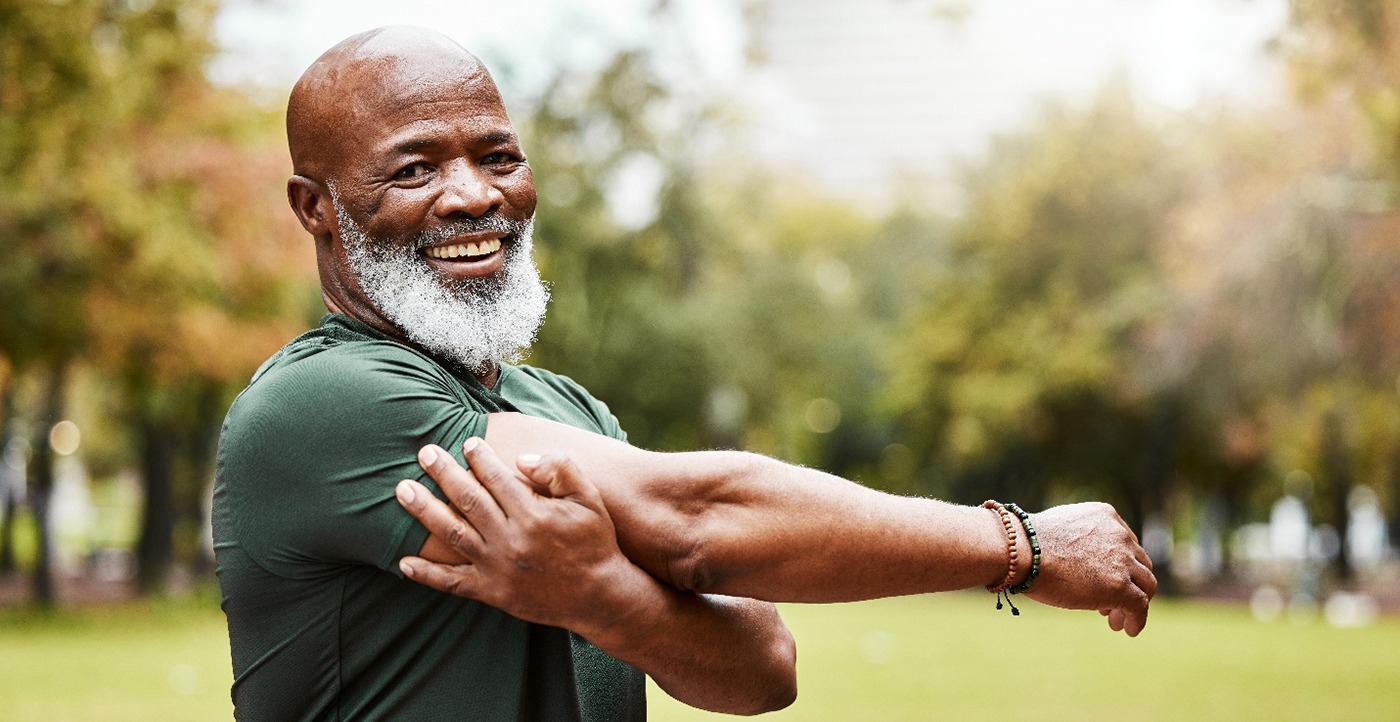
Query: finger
1105, 612
559, 474
1145, 580
441, 520
462, 580
499, 479
1134, 616
463, 490
1135, 621
1118, 518
1116, 619
1142, 556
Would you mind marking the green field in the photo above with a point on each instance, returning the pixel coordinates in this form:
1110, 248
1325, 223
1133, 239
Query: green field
950, 657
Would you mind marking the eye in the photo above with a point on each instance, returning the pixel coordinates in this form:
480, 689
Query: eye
500, 158
413, 170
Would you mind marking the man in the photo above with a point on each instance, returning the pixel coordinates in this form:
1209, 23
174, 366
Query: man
410, 178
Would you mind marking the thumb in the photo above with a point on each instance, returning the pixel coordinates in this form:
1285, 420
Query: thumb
558, 474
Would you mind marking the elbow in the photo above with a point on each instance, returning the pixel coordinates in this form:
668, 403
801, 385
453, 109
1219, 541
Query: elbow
769, 687
782, 690
710, 546
777, 685
693, 570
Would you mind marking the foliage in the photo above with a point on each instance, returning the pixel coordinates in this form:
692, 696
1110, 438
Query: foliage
1158, 309
139, 227
732, 305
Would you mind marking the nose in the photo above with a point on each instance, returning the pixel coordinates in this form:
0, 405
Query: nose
466, 189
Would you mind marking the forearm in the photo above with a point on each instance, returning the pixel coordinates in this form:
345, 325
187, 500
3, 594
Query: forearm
774, 531
717, 653
742, 524
554, 559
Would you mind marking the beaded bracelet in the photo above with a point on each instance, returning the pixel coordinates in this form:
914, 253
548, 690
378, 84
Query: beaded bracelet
1011, 555
1025, 518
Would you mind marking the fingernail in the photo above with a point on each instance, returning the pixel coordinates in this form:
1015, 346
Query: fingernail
405, 492
470, 444
527, 461
427, 455
405, 567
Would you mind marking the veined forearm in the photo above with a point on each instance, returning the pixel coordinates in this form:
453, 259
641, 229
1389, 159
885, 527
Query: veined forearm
747, 525
730, 522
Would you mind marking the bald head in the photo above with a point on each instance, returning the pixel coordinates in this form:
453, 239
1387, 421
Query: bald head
362, 77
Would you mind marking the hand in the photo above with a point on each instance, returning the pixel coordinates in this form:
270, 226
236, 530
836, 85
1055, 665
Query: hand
548, 558
1091, 559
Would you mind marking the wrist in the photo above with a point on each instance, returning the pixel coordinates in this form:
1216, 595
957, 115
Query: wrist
1008, 542
618, 610
1029, 551
1022, 553
1023, 557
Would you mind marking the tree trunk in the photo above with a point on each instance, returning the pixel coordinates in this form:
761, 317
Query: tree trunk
1161, 452
204, 440
41, 481
9, 480
1394, 519
1337, 465
153, 551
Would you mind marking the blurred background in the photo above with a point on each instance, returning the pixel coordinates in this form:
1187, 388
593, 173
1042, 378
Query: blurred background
1140, 251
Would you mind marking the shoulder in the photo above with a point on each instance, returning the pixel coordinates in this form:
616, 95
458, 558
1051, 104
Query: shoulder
559, 382
338, 394
525, 384
343, 372
310, 452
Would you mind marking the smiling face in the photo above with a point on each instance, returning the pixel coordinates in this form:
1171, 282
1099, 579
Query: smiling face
410, 172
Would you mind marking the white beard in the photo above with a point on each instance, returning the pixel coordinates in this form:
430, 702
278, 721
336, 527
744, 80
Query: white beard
478, 322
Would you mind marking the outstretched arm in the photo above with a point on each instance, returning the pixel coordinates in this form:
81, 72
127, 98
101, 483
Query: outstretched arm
552, 558
743, 524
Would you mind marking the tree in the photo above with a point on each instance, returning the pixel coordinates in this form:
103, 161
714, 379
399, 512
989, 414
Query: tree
142, 237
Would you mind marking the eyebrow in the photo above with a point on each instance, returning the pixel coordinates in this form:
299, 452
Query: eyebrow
414, 145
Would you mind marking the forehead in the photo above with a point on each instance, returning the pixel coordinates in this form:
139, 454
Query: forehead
408, 102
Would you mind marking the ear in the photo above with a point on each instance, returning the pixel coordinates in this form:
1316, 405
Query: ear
311, 201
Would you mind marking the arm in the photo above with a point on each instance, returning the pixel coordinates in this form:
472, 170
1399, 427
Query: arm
552, 558
743, 524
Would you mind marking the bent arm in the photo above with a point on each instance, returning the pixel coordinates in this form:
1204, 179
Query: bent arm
553, 558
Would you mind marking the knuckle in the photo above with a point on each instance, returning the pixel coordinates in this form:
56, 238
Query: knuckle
456, 535
467, 503
567, 467
518, 552
493, 474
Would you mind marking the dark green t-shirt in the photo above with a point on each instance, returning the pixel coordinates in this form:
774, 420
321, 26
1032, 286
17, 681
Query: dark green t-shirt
307, 536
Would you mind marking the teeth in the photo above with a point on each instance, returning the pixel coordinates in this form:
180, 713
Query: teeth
469, 250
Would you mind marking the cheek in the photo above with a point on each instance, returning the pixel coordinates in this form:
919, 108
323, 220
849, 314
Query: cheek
521, 192
399, 213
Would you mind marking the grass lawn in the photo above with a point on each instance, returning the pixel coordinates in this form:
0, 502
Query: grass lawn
950, 657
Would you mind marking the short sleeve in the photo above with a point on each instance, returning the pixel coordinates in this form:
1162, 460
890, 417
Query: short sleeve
311, 454
538, 392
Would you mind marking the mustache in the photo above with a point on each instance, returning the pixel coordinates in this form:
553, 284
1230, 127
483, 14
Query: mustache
493, 222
